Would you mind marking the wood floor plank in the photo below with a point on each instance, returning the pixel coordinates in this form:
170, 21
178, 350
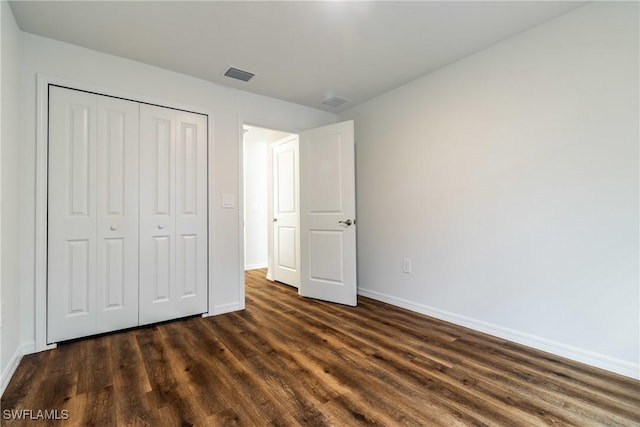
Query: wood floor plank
130, 383
290, 361
242, 387
95, 354
98, 409
455, 392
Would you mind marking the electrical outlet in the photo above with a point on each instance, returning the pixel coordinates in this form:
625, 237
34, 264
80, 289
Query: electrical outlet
406, 265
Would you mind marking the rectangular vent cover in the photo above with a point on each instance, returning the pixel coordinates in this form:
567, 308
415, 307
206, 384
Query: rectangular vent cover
335, 101
235, 73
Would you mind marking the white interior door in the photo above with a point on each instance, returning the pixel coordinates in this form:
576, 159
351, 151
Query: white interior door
92, 214
286, 206
173, 214
327, 214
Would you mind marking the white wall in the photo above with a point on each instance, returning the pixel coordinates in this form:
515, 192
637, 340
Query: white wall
255, 197
10, 196
510, 178
230, 108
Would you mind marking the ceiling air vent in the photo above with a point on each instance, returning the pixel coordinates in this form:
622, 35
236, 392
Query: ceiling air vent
238, 74
335, 101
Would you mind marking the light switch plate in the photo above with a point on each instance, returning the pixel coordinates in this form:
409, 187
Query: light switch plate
228, 201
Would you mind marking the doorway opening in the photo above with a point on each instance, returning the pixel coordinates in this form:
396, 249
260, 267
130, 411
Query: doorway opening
271, 203
310, 217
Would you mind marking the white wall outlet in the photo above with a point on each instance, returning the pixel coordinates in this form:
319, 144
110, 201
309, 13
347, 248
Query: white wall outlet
406, 265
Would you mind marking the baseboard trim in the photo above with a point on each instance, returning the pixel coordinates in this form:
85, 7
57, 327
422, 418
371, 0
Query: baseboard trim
597, 360
30, 347
10, 370
255, 266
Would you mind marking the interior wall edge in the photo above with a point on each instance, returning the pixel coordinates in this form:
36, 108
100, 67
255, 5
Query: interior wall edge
11, 143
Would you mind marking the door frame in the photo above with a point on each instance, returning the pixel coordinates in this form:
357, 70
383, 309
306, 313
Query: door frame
241, 271
42, 176
241, 216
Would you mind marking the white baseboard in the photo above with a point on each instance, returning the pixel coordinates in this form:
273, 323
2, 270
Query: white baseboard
10, 370
29, 347
225, 308
618, 366
24, 348
255, 266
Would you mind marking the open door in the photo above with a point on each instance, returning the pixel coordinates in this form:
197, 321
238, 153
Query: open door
327, 214
286, 233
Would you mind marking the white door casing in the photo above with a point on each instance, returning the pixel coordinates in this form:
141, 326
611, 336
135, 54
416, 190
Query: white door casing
173, 214
327, 214
286, 208
92, 214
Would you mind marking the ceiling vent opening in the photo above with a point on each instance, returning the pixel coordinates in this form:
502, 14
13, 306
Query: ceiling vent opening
335, 101
238, 74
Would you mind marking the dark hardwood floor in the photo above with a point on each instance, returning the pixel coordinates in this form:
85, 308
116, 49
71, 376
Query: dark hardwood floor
291, 361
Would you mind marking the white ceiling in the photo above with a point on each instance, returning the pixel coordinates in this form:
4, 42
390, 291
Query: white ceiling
302, 51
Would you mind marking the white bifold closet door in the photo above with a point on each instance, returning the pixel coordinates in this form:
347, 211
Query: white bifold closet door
127, 214
92, 214
173, 214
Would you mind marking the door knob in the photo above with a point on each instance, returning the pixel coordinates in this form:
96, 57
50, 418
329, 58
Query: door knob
114, 227
275, 219
347, 222
160, 226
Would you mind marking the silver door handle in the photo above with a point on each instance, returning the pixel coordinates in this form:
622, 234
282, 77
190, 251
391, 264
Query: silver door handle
160, 226
347, 222
275, 219
113, 227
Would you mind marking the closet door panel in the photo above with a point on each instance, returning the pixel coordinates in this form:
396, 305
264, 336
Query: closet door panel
117, 229
72, 215
191, 212
157, 214
173, 214
92, 214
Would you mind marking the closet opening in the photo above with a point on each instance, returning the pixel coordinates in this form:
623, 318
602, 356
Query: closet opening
125, 238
